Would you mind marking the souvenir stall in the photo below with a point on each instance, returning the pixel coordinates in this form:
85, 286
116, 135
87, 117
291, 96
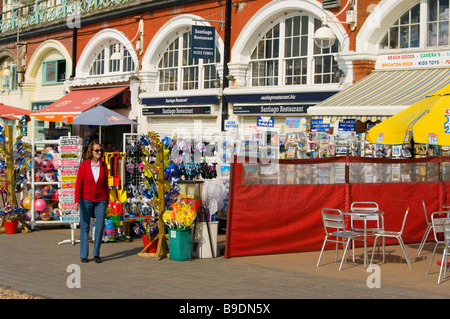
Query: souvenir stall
184, 174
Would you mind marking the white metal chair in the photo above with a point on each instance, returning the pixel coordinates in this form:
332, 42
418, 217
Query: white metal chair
393, 234
446, 252
334, 225
427, 231
437, 222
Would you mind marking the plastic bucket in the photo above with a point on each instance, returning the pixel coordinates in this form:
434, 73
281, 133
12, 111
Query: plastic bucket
152, 248
11, 227
180, 244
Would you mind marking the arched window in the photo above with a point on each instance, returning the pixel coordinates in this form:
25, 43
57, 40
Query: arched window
103, 64
405, 32
178, 71
286, 55
409, 31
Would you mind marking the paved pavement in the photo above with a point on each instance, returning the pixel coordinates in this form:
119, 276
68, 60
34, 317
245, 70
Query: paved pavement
35, 263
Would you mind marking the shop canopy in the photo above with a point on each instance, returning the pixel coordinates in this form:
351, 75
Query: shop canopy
76, 102
382, 94
12, 112
427, 122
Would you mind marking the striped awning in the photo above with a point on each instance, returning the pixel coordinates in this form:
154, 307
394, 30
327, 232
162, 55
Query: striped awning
384, 93
334, 118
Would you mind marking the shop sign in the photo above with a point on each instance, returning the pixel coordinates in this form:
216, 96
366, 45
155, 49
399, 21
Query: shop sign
265, 121
432, 59
183, 100
203, 42
296, 123
317, 125
347, 125
309, 98
231, 125
270, 109
172, 111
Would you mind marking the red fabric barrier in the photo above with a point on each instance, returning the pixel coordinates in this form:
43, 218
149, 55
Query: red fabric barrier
273, 219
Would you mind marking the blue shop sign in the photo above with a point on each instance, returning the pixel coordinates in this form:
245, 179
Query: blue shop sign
264, 121
317, 125
347, 125
203, 42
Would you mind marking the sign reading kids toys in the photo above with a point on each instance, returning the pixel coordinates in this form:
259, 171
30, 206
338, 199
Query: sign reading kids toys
434, 59
69, 149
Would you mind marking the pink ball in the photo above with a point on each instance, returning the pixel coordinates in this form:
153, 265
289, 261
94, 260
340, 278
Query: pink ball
40, 205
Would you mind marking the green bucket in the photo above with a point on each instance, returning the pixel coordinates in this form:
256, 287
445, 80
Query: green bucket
180, 244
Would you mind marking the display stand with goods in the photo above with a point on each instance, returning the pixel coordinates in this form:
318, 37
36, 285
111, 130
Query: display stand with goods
47, 178
13, 168
157, 191
114, 225
70, 153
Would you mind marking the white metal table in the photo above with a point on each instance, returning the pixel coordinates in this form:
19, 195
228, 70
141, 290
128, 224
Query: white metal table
363, 215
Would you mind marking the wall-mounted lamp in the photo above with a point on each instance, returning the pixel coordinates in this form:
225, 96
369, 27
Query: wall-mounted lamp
324, 37
118, 55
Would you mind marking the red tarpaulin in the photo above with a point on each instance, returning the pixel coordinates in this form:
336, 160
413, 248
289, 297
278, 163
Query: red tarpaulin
76, 102
272, 219
12, 112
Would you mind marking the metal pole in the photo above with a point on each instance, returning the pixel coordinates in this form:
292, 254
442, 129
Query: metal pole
226, 60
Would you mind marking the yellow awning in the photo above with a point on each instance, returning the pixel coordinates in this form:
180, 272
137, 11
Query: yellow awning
427, 121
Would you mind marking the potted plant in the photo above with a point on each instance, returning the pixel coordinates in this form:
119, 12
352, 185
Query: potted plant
179, 219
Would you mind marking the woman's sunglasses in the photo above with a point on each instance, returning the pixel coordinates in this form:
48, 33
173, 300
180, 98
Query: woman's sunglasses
97, 151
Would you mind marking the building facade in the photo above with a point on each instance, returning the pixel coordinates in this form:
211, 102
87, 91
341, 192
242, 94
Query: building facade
265, 62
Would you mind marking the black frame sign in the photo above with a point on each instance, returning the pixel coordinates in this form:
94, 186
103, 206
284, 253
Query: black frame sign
203, 42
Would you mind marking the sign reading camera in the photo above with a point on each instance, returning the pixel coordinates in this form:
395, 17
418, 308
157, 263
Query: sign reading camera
203, 42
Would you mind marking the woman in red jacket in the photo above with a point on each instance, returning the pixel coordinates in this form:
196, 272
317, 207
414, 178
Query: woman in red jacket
91, 197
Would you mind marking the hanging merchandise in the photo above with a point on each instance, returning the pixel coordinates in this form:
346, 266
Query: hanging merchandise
13, 171
213, 196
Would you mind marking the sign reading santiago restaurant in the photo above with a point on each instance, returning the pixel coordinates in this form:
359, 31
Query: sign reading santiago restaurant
203, 42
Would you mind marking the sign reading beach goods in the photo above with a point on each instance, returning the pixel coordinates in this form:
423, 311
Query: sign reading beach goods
437, 59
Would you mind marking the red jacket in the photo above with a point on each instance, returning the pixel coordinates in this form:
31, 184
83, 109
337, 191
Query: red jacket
87, 188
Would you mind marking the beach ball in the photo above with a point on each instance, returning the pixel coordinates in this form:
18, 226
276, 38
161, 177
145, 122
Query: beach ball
39, 177
46, 165
48, 190
40, 205
46, 214
38, 193
56, 214
50, 177
26, 203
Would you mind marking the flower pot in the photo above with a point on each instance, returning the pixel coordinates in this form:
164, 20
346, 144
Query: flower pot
180, 244
152, 248
11, 226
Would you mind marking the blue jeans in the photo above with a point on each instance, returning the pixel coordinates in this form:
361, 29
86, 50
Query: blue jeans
96, 210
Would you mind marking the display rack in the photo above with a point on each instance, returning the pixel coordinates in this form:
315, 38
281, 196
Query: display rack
34, 183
